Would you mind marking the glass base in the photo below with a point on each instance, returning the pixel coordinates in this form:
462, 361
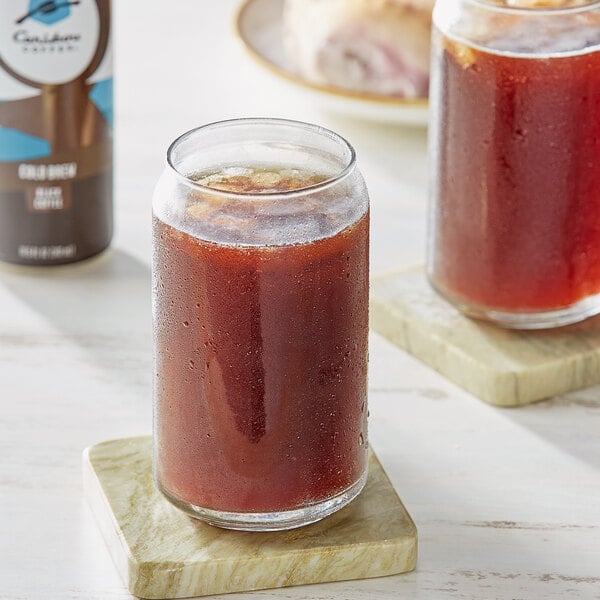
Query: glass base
269, 521
584, 309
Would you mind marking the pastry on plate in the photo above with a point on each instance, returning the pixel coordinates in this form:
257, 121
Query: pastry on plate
376, 47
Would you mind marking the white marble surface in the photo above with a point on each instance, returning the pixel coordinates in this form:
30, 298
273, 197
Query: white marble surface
507, 502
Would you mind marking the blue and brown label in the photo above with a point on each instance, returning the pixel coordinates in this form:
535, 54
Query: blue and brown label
55, 124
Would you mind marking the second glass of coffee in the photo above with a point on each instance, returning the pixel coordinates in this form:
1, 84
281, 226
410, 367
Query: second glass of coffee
515, 155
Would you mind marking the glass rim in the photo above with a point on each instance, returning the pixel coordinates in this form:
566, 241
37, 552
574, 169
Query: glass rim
294, 193
495, 6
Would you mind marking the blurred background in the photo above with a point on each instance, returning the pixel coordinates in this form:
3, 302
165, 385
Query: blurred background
183, 64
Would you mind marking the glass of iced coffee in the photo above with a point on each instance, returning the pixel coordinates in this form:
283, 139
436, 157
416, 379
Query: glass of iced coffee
260, 301
515, 158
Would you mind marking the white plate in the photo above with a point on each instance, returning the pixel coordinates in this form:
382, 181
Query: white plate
259, 27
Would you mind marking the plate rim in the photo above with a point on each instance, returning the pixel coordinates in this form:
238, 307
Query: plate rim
408, 103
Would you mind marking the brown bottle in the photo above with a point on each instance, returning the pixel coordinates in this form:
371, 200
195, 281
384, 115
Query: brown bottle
55, 130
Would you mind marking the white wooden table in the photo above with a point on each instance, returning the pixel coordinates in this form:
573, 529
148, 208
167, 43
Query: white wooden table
507, 502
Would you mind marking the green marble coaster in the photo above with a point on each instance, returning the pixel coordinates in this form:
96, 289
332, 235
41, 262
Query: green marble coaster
500, 366
162, 553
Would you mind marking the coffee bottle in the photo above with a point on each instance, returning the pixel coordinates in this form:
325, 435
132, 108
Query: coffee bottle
55, 130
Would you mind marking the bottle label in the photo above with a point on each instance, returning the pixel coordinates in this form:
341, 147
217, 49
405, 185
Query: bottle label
55, 129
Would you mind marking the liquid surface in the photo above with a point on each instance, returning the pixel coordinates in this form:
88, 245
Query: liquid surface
258, 180
516, 219
261, 363
257, 216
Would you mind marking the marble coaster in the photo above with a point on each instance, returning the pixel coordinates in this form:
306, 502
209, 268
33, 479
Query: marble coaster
500, 366
162, 553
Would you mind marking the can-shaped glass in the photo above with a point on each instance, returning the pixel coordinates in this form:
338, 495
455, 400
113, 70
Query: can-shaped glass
514, 233
260, 306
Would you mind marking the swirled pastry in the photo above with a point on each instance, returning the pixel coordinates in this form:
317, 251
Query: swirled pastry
372, 46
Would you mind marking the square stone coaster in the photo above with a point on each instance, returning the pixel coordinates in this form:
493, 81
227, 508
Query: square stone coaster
162, 553
500, 366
